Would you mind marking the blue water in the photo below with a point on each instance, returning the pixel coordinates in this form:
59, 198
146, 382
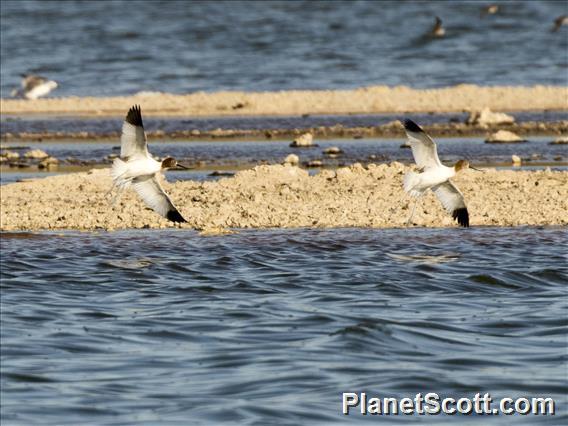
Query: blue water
270, 327
104, 48
230, 156
243, 152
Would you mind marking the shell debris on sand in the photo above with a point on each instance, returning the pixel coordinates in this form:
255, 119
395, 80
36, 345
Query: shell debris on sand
334, 150
286, 197
303, 141
48, 163
562, 140
10, 155
485, 117
504, 136
36, 154
292, 159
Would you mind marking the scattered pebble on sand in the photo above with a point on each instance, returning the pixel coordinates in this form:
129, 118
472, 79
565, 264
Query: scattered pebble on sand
486, 117
504, 136
563, 140
292, 159
36, 154
302, 141
334, 150
314, 163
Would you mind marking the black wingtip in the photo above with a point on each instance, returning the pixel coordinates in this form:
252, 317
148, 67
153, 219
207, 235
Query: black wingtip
175, 216
134, 116
411, 126
462, 216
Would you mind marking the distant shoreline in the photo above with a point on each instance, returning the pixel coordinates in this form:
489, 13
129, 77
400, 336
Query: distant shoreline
549, 101
365, 100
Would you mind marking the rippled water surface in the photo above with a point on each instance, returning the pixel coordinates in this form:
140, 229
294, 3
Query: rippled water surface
270, 327
104, 48
232, 153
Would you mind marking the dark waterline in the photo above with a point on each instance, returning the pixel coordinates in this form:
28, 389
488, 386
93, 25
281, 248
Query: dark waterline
106, 126
270, 327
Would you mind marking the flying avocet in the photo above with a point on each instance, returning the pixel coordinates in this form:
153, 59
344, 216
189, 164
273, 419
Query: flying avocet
135, 167
433, 175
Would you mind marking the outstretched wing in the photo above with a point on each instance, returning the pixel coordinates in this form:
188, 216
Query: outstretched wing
453, 201
423, 147
154, 196
31, 81
133, 139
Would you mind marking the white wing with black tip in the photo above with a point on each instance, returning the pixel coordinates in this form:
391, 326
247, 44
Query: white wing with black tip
150, 190
453, 201
424, 149
133, 139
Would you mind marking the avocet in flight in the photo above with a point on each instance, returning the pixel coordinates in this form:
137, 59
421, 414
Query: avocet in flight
137, 168
433, 175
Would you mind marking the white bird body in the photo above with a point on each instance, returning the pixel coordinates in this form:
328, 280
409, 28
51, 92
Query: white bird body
123, 172
433, 174
40, 90
34, 86
137, 168
418, 183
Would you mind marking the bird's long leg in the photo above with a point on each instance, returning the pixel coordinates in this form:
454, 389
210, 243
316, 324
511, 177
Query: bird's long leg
115, 182
120, 187
109, 192
117, 196
413, 210
395, 206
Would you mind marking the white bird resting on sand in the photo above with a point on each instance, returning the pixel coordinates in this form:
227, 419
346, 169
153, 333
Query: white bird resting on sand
135, 167
433, 175
34, 86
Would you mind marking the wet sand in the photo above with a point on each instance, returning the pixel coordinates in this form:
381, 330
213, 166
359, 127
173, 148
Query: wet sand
286, 197
366, 100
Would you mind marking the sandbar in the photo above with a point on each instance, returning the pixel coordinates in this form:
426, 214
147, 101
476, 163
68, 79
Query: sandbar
276, 196
365, 100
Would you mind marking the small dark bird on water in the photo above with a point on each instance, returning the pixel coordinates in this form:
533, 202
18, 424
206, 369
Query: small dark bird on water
438, 30
559, 22
491, 9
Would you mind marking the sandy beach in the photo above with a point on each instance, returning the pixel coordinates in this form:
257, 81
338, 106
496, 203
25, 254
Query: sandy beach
286, 197
365, 100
